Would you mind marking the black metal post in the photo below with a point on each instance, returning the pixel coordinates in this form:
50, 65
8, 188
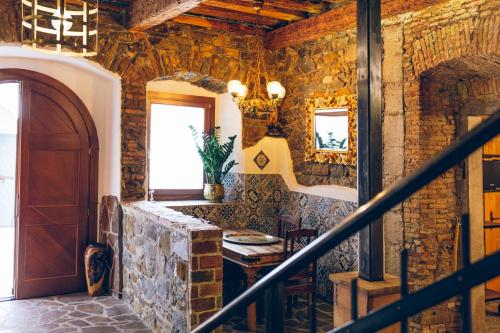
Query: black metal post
369, 80
466, 296
354, 299
275, 310
404, 286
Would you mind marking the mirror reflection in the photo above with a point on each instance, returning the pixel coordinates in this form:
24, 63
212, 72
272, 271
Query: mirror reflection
331, 129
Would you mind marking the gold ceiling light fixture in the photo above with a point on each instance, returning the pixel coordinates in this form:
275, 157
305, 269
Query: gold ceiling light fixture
257, 103
65, 27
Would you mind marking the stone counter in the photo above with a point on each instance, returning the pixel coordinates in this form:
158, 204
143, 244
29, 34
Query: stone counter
172, 266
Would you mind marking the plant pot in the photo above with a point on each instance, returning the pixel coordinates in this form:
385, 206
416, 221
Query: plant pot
214, 192
96, 259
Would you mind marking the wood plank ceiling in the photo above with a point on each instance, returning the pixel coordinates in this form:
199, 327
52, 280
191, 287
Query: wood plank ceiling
239, 15
285, 22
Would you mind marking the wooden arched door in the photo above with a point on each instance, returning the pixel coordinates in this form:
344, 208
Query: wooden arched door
56, 186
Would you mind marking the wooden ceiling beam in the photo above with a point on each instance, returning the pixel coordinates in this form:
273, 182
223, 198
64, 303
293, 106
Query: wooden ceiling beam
145, 14
232, 15
335, 20
298, 5
214, 24
266, 11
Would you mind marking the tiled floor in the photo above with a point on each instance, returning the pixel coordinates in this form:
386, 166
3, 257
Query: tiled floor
80, 313
70, 313
299, 322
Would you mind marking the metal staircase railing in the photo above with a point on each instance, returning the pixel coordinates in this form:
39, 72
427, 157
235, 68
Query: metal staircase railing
457, 283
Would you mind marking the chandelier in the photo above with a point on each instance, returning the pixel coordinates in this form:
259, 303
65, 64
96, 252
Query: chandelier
65, 27
257, 103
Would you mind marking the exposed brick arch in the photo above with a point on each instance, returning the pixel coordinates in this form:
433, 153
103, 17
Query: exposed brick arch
453, 56
473, 41
200, 80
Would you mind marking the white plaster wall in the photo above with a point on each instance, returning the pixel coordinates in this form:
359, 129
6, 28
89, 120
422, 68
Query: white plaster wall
228, 117
99, 90
281, 163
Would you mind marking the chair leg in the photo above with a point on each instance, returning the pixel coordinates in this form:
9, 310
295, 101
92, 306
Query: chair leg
309, 301
312, 311
289, 306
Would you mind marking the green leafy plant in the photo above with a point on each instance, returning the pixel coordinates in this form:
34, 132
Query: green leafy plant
214, 154
332, 143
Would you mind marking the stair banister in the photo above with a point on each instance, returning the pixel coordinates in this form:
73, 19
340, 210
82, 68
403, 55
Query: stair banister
364, 215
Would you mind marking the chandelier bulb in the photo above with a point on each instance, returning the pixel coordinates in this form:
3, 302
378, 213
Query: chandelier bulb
234, 87
243, 91
282, 93
274, 89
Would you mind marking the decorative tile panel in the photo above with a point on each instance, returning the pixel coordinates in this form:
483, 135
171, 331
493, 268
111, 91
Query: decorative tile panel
261, 197
261, 160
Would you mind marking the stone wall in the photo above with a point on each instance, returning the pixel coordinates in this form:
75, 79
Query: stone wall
172, 267
111, 233
209, 59
253, 201
202, 57
319, 68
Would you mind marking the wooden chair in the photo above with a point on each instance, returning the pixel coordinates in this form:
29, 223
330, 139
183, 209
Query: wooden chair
304, 282
286, 223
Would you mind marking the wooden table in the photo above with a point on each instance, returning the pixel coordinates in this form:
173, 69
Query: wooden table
252, 258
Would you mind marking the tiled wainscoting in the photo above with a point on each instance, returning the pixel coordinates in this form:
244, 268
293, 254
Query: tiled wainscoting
254, 200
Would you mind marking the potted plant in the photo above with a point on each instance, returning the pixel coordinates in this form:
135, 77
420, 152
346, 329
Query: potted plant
214, 156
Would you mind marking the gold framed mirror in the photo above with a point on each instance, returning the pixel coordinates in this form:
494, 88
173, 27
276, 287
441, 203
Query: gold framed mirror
331, 132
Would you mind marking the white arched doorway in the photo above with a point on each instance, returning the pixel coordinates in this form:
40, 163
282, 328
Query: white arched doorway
100, 91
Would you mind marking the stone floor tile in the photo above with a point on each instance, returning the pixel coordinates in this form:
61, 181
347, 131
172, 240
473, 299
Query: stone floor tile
70, 313
100, 329
119, 309
60, 315
78, 314
79, 323
92, 308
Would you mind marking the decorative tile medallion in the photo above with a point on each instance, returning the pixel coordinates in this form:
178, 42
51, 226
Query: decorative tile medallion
253, 196
261, 160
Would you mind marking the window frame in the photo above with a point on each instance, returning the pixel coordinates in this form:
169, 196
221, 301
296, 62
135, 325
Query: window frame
208, 104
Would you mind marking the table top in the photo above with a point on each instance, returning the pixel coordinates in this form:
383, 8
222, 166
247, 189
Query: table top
252, 255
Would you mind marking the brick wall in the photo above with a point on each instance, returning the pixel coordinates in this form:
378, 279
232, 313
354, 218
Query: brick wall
444, 44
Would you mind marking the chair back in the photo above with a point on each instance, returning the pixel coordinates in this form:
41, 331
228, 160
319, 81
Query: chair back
303, 281
296, 240
287, 223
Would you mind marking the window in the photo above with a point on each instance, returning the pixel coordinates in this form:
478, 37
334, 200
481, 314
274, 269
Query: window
175, 169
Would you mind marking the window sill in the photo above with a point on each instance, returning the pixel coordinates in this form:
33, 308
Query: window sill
179, 203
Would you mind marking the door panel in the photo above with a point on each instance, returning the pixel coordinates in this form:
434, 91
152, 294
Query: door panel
61, 170
53, 227
492, 213
492, 237
62, 240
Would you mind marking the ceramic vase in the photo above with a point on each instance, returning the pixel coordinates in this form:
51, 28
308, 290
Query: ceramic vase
95, 268
214, 192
